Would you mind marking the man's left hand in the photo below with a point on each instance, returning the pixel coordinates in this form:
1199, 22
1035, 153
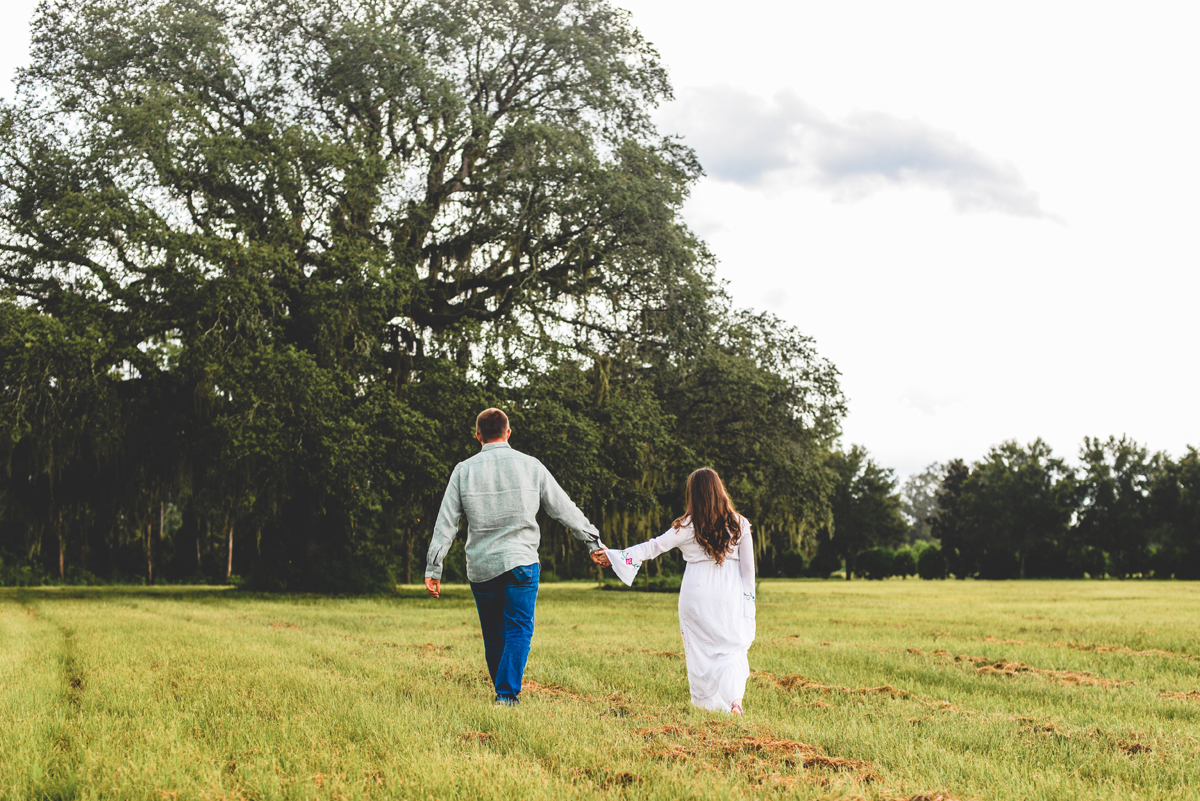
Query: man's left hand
601, 558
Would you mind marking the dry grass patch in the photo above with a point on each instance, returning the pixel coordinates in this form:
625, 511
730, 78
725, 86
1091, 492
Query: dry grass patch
1081, 677
758, 757
796, 681
1122, 649
985, 666
666, 654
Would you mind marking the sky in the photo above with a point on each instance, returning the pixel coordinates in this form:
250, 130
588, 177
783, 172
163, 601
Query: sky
985, 214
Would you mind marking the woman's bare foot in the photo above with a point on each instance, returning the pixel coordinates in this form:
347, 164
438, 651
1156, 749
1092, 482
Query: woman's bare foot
736, 707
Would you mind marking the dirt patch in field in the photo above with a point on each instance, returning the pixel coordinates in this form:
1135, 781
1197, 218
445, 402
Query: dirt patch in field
667, 654
475, 737
552, 690
759, 756
1193, 695
986, 666
1130, 743
1121, 649
1005, 642
282, 625
797, 682
1043, 728
428, 647
1079, 677
604, 779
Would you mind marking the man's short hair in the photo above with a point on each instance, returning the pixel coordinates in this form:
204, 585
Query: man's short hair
491, 424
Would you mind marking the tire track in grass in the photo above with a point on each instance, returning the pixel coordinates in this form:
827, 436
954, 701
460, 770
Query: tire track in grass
61, 776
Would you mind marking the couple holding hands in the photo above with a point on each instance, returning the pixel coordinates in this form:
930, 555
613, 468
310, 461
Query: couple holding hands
500, 491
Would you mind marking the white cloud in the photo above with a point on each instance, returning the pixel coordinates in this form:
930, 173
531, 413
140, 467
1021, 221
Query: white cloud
746, 139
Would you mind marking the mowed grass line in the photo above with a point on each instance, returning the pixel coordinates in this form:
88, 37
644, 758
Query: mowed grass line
206, 693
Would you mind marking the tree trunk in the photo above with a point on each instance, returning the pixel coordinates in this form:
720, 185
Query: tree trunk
149, 555
1022, 564
229, 564
83, 545
199, 564
61, 573
408, 559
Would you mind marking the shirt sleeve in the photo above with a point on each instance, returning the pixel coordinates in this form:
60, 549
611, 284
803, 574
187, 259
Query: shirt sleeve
746, 560
559, 506
446, 527
651, 549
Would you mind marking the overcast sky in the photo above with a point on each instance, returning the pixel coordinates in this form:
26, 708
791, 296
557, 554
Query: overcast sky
986, 214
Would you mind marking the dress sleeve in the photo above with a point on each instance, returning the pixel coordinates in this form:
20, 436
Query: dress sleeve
672, 538
746, 560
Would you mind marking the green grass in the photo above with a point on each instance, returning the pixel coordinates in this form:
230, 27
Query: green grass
207, 693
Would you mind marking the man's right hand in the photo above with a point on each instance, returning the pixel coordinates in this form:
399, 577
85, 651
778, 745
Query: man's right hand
434, 586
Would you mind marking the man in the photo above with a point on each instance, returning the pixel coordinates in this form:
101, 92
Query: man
500, 490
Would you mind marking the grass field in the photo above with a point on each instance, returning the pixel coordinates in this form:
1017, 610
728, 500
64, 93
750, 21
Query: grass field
1032, 690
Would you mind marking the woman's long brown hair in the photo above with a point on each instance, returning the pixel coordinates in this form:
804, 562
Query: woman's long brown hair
716, 523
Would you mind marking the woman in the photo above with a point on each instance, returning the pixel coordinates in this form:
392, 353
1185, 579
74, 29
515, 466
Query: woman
716, 600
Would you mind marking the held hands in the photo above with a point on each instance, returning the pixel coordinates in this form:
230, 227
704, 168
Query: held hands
434, 586
601, 558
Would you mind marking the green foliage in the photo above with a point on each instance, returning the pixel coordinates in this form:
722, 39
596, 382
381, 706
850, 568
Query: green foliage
865, 513
905, 563
1115, 486
261, 264
1021, 512
876, 563
919, 500
931, 564
790, 564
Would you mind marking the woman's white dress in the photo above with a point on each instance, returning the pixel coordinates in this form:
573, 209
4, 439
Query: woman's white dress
716, 613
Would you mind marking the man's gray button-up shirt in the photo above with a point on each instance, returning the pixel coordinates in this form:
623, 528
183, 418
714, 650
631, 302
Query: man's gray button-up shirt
500, 491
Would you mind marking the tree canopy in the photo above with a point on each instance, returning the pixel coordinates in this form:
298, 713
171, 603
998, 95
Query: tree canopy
261, 263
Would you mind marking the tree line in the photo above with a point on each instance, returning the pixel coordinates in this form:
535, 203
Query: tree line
261, 263
1019, 512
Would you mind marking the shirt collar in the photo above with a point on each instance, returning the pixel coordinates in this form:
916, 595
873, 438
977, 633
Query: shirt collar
493, 445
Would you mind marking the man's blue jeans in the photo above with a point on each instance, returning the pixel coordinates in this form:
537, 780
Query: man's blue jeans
506, 605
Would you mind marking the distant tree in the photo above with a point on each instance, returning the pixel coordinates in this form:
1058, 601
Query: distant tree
1175, 516
865, 507
1114, 513
905, 564
919, 500
790, 564
262, 262
947, 523
931, 564
876, 563
1016, 500
248, 233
